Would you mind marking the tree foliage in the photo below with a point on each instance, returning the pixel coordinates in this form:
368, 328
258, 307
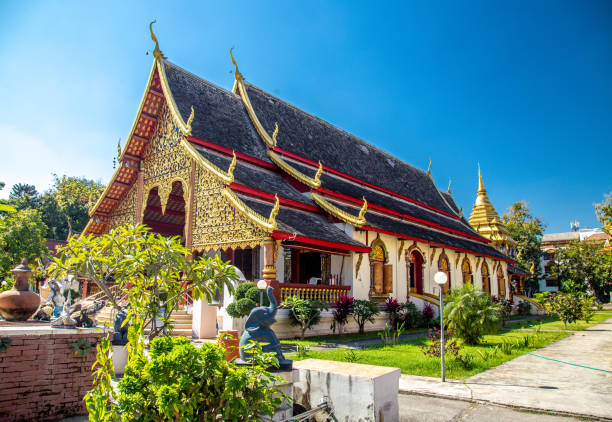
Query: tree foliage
22, 235
604, 213
584, 266
154, 271
24, 196
470, 313
527, 231
303, 312
364, 311
567, 306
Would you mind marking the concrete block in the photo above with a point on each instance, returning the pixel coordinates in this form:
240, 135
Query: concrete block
356, 392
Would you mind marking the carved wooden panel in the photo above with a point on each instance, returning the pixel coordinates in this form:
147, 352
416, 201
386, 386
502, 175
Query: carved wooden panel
125, 212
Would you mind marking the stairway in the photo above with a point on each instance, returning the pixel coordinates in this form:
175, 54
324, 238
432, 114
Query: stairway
181, 321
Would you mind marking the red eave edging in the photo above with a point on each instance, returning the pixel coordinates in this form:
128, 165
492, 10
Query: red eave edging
269, 197
227, 151
319, 242
429, 242
356, 180
399, 214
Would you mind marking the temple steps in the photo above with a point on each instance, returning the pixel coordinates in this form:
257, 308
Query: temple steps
181, 319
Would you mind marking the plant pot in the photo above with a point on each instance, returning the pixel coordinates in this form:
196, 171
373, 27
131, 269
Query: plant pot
120, 358
18, 305
230, 341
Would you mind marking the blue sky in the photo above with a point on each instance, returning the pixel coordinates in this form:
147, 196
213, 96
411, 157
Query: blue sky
522, 87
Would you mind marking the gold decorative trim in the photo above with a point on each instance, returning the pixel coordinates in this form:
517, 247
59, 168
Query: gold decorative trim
267, 224
401, 248
157, 53
358, 221
313, 182
242, 244
176, 115
426, 299
358, 264
226, 176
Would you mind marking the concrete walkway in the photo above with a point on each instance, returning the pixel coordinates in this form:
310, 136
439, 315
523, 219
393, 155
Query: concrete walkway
531, 382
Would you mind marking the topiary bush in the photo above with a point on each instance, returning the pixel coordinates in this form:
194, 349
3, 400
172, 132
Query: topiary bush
470, 313
254, 294
243, 302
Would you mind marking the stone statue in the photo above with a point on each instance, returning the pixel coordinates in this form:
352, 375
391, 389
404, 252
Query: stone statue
257, 328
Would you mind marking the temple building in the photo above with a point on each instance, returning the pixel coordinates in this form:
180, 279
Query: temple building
289, 198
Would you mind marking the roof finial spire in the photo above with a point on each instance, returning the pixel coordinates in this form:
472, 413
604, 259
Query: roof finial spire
237, 74
449, 184
157, 53
119, 148
429, 168
275, 134
481, 188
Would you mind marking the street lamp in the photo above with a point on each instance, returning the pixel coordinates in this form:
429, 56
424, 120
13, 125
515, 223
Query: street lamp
261, 285
440, 278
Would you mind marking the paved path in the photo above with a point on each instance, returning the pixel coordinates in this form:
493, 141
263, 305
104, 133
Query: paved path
534, 383
415, 408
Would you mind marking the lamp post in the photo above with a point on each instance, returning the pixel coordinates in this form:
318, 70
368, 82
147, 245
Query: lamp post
261, 285
440, 278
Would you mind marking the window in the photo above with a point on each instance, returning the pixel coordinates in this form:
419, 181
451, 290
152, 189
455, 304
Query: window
501, 282
444, 266
486, 278
466, 271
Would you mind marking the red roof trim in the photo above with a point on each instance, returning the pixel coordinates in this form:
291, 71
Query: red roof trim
356, 180
399, 214
270, 197
227, 151
441, 245
319, 242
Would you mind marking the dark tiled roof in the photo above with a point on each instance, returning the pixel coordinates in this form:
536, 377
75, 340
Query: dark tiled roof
408, 229
256, 177
220, 116
346, 187
314, 139
450, 201
302, 223
515, 269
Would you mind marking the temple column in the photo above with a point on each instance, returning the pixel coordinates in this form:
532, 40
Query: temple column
269, 269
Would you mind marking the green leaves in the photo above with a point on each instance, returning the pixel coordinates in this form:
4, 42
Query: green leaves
22, 235
304, 313
364, 311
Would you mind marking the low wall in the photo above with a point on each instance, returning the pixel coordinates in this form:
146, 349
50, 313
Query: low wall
41, 376
284, 330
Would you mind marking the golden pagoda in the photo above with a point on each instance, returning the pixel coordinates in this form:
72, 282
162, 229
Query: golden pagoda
485, 220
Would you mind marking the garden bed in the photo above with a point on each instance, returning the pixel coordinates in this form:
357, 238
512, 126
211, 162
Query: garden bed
410, 359
552, 322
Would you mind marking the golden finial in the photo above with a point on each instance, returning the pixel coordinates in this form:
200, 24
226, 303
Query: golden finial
429, 168
190, 119
275, 134
274, 212
157, 53
480, 184
317, 177
119, 148
449, 184
363, 209
237, 74
232, 166
520, 253
461, 212
532, 269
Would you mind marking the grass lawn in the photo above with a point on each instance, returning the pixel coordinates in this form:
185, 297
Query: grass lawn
553, 322
314, 341
410, 359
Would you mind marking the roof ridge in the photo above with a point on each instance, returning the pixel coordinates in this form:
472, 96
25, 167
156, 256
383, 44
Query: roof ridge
330, 125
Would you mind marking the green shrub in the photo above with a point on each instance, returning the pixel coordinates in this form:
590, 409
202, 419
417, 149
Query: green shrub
244, 306
242, 289
409, 315
243, 300
567, 306
523, 308
254, 294
364, 311
470, 313
587, 308
304, 313
181, 382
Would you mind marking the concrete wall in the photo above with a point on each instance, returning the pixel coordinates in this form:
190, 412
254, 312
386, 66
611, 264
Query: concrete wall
41, 377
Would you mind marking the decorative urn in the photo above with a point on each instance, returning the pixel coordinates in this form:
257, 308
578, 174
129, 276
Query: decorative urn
19, 304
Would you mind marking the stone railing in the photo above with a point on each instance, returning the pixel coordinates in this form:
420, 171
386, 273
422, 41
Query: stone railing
324, 293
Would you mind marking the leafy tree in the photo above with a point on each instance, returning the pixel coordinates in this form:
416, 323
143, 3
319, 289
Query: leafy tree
22, 235
54, 218
154, 271
304, 313
584, 266
364, 311
567, 306
526, 230
24, 196
604, 213
471, 313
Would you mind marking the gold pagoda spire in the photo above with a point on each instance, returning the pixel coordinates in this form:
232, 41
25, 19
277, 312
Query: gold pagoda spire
485, 220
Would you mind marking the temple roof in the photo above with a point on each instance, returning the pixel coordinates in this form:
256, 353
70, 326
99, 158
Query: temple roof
485, 219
